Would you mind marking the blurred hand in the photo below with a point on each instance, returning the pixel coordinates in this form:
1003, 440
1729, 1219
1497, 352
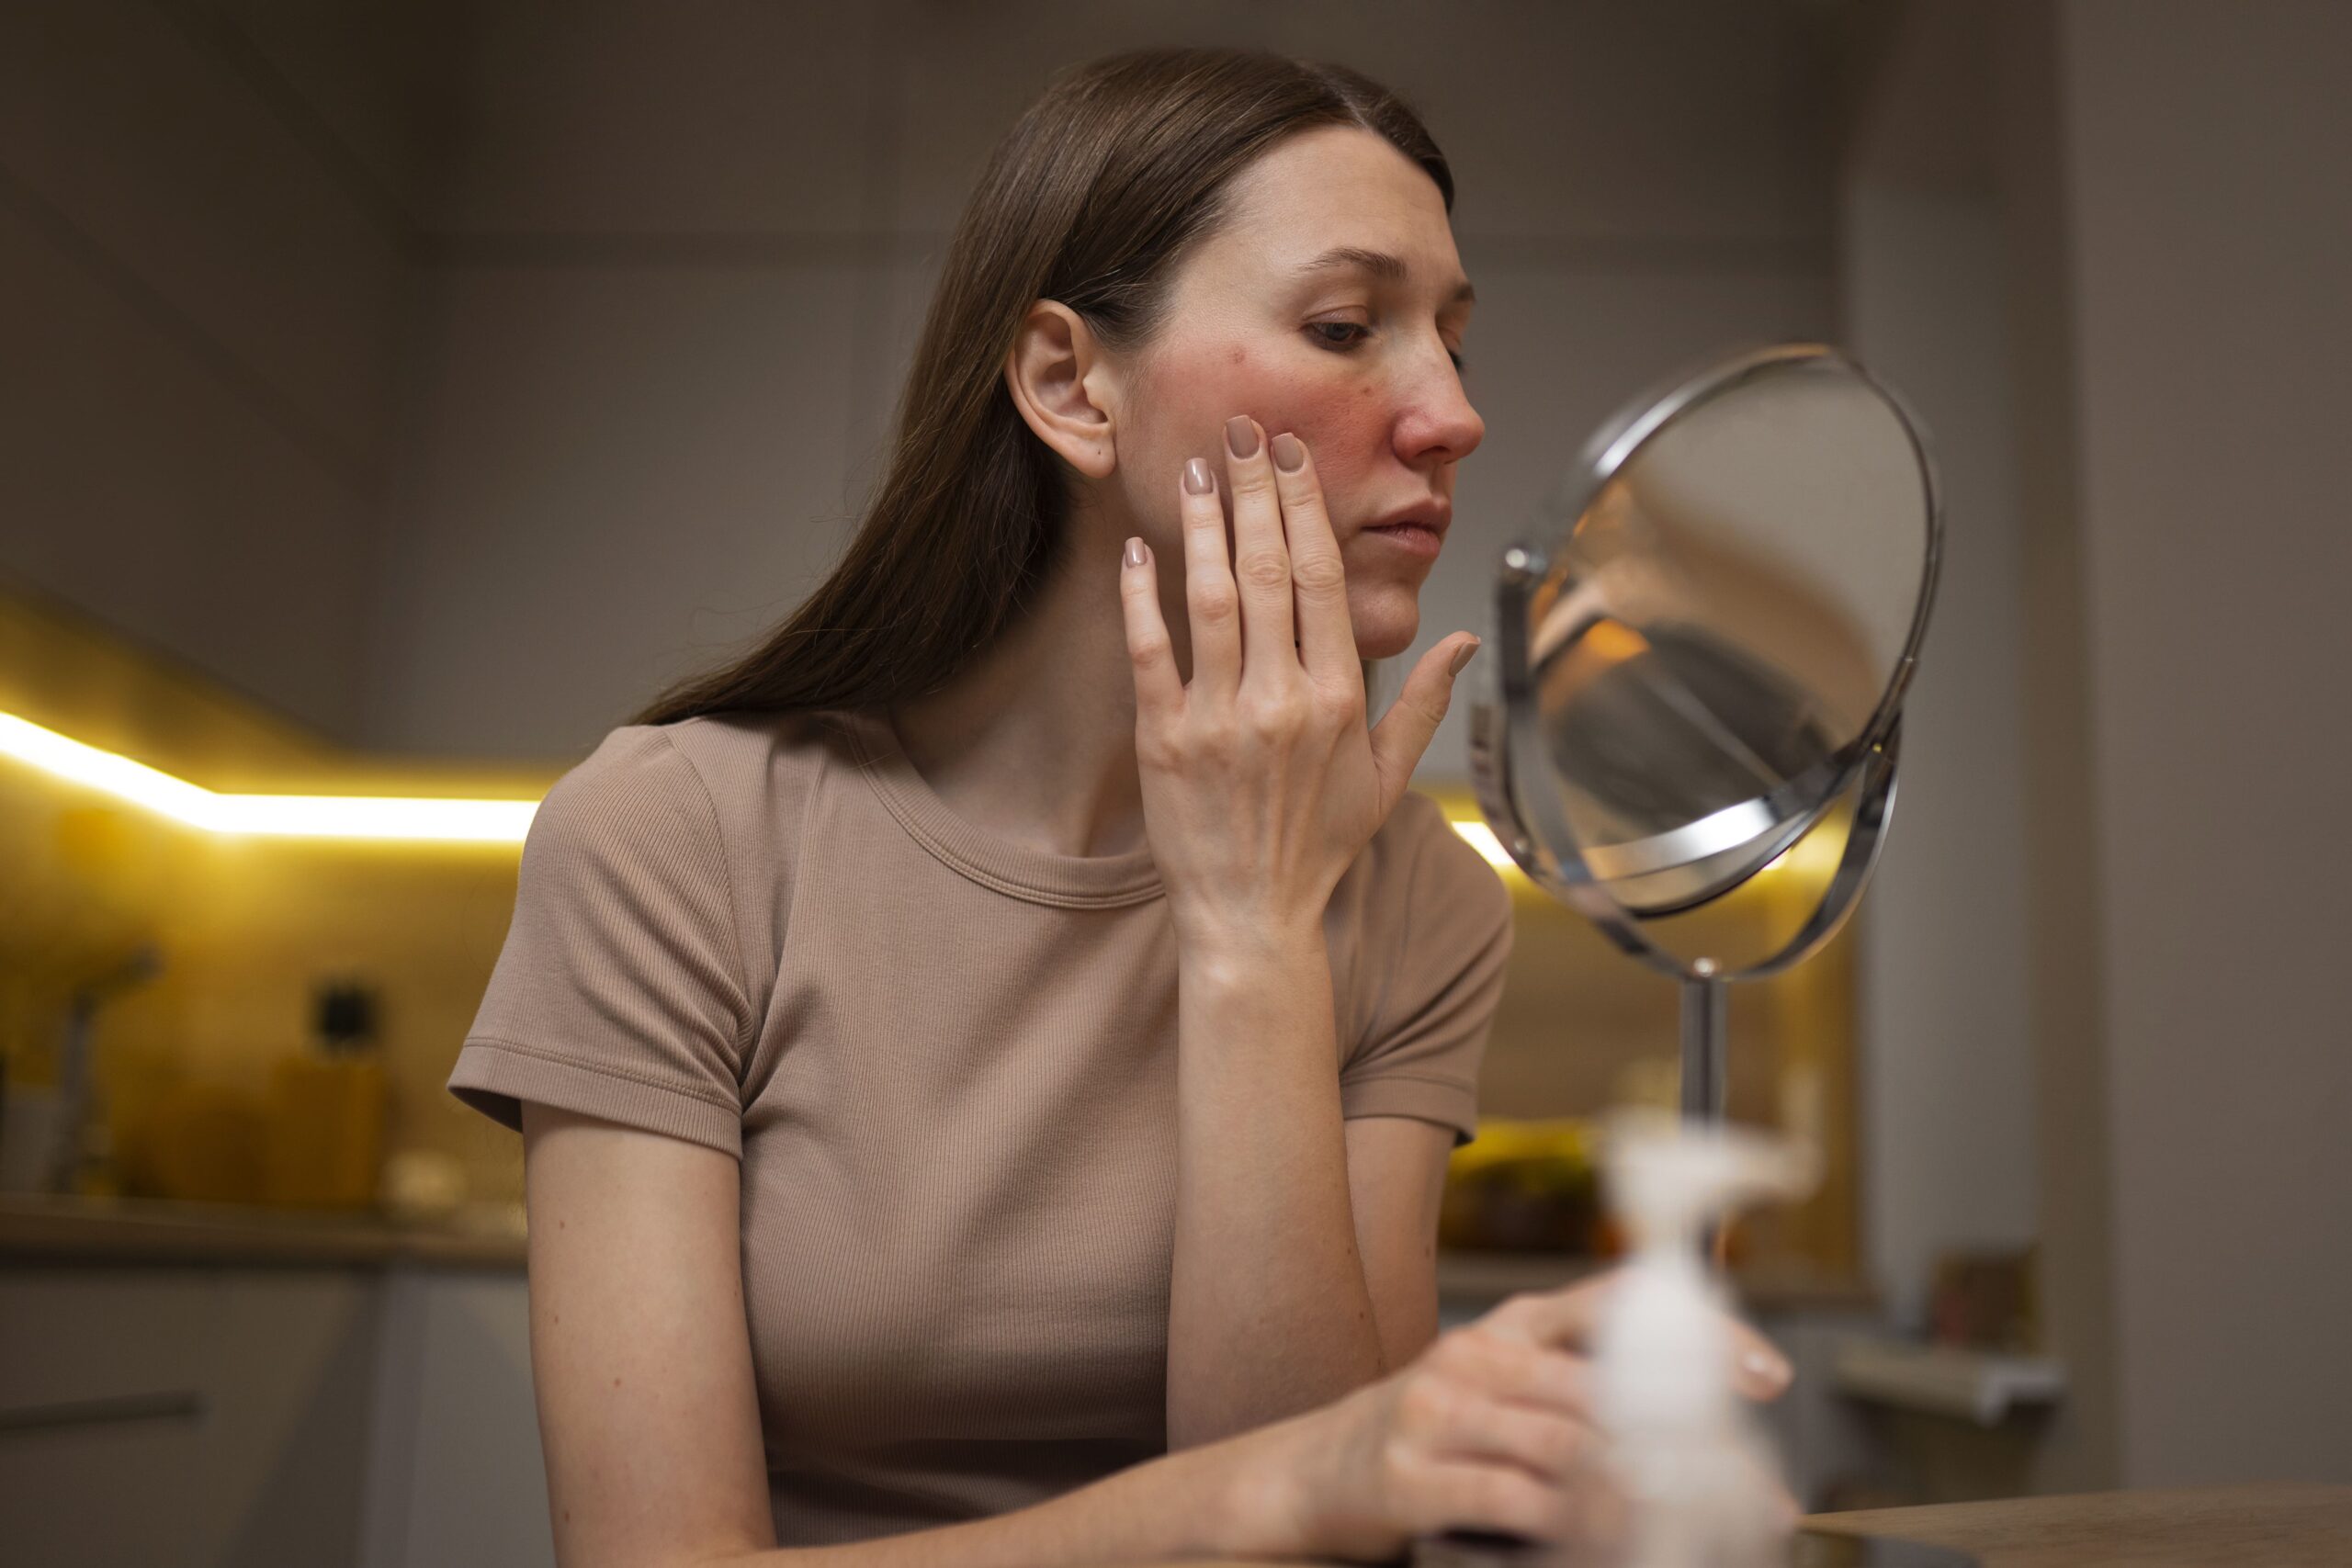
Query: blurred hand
1490, 1428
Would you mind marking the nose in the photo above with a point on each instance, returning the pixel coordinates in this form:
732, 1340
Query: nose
1438, 425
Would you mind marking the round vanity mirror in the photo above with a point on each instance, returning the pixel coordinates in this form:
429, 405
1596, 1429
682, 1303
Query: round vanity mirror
1703, 651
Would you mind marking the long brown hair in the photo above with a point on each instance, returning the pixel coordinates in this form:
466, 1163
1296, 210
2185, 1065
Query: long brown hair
1106, 182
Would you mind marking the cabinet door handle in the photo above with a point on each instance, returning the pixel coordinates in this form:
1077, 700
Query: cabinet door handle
112, 1411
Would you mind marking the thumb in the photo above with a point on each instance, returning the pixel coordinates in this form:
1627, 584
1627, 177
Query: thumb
1404, 733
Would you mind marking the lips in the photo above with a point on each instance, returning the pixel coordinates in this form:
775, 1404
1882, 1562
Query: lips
1419, 529
1434, 515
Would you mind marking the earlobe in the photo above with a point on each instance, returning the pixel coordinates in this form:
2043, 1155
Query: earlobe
1054, 372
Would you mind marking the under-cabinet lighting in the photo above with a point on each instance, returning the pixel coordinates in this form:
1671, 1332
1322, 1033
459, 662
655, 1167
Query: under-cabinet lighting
414, 819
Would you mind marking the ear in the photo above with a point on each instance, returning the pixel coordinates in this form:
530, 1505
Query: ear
1063, 385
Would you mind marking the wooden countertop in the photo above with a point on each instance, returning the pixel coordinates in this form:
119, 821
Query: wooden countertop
146, 1230
2282, 1524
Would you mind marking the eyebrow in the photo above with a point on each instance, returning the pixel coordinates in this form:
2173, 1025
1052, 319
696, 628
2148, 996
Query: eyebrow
1380, 265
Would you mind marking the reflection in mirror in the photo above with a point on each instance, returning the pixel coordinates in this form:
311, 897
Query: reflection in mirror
1724, 623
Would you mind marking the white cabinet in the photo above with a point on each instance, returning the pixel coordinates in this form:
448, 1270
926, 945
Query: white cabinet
457, 1479
183, 1415
248, 1417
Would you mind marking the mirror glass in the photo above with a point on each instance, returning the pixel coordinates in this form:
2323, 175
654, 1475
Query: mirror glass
1722, 620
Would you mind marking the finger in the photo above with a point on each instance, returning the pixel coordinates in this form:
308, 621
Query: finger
1400, 738
1260, 555
1543, 1442
1327, 639
1211, 608
1568, 1317
1483, 1495
1158, 690
1759, 1370
1502, 1367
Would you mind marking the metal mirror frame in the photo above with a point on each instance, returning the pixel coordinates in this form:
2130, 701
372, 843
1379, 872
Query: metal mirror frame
1865, 768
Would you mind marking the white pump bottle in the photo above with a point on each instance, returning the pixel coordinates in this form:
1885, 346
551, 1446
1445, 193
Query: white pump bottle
1697, 1474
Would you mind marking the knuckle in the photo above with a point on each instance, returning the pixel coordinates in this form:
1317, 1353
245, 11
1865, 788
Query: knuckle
1263, 569
1340, 701
1214, 603
1425, 1405
1318, 573
1276, 713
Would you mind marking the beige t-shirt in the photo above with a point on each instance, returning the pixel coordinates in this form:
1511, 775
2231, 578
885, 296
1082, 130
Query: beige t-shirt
947, 1064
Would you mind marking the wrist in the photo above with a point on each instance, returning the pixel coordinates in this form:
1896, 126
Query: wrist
1257, 1506
1246, 949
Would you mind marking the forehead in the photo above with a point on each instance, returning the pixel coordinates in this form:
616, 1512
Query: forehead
1331, 186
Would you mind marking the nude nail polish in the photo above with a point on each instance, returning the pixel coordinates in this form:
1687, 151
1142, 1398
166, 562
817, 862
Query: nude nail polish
1241, 436
1198, 481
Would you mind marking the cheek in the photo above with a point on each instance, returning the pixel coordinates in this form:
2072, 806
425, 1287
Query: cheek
1336, 412
1334, 407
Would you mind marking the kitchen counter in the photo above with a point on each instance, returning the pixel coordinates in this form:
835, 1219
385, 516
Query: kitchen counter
2281, 1525
143, 1230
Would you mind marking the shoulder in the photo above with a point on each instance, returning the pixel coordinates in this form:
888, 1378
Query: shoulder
727, 777
1420, 891
1434, 870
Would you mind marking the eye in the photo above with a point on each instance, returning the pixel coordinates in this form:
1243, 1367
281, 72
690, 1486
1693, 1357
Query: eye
1341, 344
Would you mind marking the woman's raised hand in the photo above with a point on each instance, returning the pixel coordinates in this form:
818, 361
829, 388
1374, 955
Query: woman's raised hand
1261, 779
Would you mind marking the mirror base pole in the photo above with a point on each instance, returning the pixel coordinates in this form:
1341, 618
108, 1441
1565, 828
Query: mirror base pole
1705, 995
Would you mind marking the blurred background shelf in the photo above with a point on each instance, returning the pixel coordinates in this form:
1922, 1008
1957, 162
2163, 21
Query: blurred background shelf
1982, 1386
35, 1228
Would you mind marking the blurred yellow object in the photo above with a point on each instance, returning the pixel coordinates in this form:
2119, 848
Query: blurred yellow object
207, 1145
326, 1130
1523, 1186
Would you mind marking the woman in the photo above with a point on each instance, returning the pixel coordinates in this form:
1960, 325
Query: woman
987, 1059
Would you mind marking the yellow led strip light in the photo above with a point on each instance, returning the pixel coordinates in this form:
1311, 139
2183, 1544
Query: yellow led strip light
419, 819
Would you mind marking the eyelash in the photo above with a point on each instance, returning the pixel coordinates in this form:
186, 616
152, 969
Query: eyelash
1313, 327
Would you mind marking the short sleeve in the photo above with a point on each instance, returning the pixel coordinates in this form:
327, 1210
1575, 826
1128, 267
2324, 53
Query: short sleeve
619, 992
1429, 1034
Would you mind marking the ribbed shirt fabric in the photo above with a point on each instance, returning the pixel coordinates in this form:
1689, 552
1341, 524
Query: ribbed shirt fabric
948, 1065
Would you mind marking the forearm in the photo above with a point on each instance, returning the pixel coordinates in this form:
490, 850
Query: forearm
1268, 1310
1213, 1502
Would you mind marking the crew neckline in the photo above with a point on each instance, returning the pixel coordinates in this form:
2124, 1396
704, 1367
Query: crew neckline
1022, 871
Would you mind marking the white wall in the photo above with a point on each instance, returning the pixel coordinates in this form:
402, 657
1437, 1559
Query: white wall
1946, 1047
2206, 147
197, 338
669, 307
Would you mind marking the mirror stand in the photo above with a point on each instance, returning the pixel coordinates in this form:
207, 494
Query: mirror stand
1704, 982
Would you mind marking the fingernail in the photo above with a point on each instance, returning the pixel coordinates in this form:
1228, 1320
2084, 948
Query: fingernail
1290, 453
1461, 657
1767, 1368
1241, 436
1198, 481
1136, 555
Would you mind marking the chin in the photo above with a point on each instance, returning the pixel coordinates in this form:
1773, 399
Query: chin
1385, 623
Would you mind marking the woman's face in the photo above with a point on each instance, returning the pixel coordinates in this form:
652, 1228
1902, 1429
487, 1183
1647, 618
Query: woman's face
1331, 305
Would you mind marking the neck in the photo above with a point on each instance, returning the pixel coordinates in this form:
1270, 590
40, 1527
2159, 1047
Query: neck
1035, 740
